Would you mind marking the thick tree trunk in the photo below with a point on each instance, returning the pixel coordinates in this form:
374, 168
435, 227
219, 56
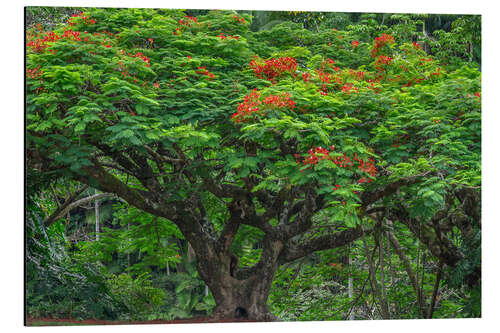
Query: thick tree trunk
242, 299
238, 299
237, 296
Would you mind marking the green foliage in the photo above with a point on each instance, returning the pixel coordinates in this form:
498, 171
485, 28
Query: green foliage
57, 285
324, 104
313, 289
137, 295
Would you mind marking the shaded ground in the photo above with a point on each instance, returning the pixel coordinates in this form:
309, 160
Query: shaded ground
74, 322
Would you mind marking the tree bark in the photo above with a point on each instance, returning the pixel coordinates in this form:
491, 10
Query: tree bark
393, 277
409, 270
383, 299
349, 282
435, 291
237, 296
96, 218
374, 283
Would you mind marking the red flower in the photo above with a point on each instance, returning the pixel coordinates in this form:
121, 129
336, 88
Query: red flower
274, 67
355, 43
380, 41
381, 62
252, 104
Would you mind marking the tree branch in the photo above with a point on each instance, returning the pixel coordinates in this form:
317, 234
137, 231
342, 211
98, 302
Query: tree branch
409, 270
65, 204
295, 251
97, 176
368, 198
61, 212
303, 219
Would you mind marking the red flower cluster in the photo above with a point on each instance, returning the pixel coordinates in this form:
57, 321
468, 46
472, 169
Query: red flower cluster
437, 72
375, 89
355, 44
222, 36
239, 19
34, 73
40, 44
280, 101
324, 77
189, 20
203, 71
327, 78
366, 166
138, 55
358, 75
477, 94
313, 157
275, 67
85, 19
422, 60
251, 104
41, 41
380, 41
348, 87
417, 45
70, 34
320, 153
381, 62
329, 63
306, 77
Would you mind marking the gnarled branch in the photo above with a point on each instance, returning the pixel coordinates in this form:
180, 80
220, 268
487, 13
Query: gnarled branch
59, 213
295, 251
54, 216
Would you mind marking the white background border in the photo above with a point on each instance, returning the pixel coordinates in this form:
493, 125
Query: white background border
12, 163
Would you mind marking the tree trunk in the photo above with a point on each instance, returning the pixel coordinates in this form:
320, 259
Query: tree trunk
383, 299
349, 283
242, 299
96, 219
393, 277
238, 295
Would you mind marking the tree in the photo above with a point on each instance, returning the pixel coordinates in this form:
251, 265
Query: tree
187, 117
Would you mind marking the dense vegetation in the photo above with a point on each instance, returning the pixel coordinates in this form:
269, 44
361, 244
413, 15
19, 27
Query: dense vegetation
291, 165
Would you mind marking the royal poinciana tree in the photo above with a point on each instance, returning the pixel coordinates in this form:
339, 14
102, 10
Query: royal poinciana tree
184, 117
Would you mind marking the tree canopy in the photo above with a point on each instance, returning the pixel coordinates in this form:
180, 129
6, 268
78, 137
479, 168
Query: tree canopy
297, 140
